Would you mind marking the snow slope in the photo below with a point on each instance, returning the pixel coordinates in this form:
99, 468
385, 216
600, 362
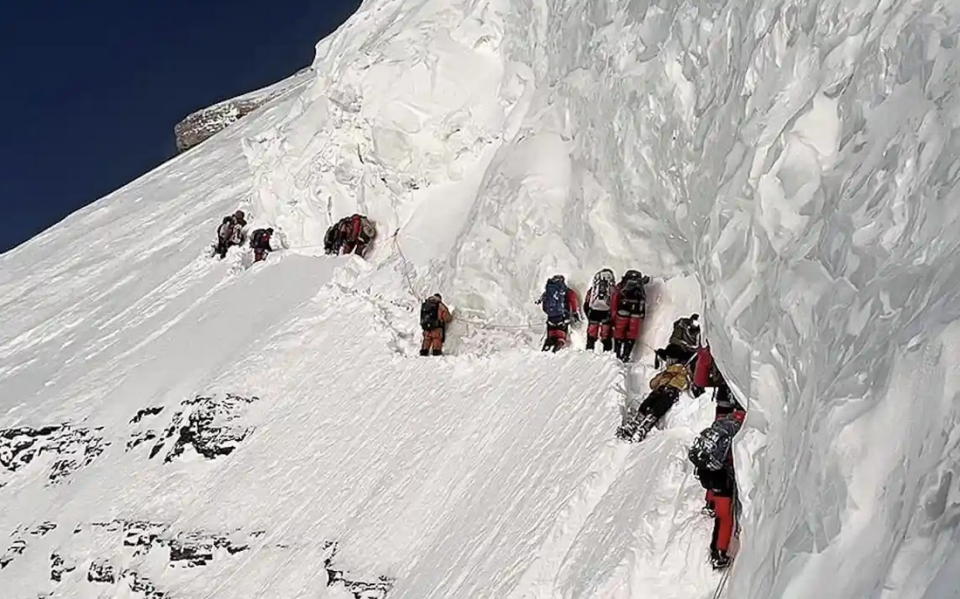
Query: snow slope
785, 168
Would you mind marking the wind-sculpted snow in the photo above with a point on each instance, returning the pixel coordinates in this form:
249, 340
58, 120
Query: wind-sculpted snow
800, 158
787, 169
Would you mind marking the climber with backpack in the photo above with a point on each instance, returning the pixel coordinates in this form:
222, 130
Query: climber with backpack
629, 307
712, 457
560, 304
707, 374
260, 243
230, 233
665, 391
684, 342
434, 316
356, 234
331, 240
596, 305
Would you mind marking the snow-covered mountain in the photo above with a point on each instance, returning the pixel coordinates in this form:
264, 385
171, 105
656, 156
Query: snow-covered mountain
174, 426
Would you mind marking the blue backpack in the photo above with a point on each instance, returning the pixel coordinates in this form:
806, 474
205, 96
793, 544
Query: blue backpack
555, 299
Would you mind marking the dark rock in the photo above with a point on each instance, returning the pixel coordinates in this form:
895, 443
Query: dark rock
101, 570
186, 549
206, 424
141, 584
141, 437
15, 549
42, 529
19, 543
145, 412
205, 123
360, 589
58, 567
76, 447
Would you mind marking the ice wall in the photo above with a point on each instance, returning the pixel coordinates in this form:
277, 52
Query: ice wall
799, 157
802, 159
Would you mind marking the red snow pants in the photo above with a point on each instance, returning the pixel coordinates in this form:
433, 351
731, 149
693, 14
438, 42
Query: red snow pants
723, 522
626, 327
557, 334
598, 330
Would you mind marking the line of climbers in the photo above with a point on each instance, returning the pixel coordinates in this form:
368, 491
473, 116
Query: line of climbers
232, 232
351, 234
617, 311
688, 366
614, 313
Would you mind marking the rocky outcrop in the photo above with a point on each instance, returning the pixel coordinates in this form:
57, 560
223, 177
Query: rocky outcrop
19, 543
205, 123
75, 447
208, 425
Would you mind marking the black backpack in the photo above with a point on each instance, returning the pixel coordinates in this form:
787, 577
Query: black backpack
712, 447
430, 315
225, 230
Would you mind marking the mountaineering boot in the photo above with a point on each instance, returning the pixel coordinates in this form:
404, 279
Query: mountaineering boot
626, 430
707, 510
628, 349
424, 352
438, 352
591, 343
607, 344
719, 560
644, 428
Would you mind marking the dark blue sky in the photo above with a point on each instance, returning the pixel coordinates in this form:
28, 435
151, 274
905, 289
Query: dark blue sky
90, 90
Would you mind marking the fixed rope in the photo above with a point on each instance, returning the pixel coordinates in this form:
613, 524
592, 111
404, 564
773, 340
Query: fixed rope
405, 269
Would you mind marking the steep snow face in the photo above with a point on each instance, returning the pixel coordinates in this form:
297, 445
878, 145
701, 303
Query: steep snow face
176, 426
798, 157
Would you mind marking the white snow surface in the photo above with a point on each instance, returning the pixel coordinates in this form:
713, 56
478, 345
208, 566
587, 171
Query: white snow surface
788, 169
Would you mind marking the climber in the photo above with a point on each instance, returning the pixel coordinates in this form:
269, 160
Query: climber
356, 234
230, 232
597, 308
711, 456
331, 240
707, 374
349, 235
560, 304
434, 316
666, 388
260, 243
629, 307
683, 344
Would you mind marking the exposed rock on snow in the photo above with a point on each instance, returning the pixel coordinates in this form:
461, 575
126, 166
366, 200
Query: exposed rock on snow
74, 448
101, 570
58, 567
360, 589
203, 124
208, 425
20, 541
